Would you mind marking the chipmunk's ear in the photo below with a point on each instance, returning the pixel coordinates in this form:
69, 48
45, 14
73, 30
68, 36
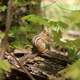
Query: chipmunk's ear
46, 29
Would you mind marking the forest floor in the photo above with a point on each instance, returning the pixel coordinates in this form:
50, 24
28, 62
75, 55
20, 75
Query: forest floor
41, 67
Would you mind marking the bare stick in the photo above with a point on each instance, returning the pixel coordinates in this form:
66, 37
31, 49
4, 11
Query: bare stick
23, 68
4, 43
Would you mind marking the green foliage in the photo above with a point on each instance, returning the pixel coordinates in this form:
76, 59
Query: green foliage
2, 8
72, 47
73, 54
19, 2
36, 19
1, 35
4, 67
56, 37
72, 72
73, 44
43, 21
62, 11
73, 5
20, 35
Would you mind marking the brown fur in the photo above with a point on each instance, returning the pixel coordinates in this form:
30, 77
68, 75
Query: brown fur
41, 41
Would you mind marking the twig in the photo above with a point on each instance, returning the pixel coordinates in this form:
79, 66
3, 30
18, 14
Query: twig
23, 68
4, 43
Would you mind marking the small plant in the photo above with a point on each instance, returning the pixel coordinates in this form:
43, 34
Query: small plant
4, 68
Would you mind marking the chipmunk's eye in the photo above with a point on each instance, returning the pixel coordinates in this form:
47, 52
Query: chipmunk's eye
47, 34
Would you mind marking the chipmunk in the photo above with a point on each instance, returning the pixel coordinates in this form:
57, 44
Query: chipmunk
42, 41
